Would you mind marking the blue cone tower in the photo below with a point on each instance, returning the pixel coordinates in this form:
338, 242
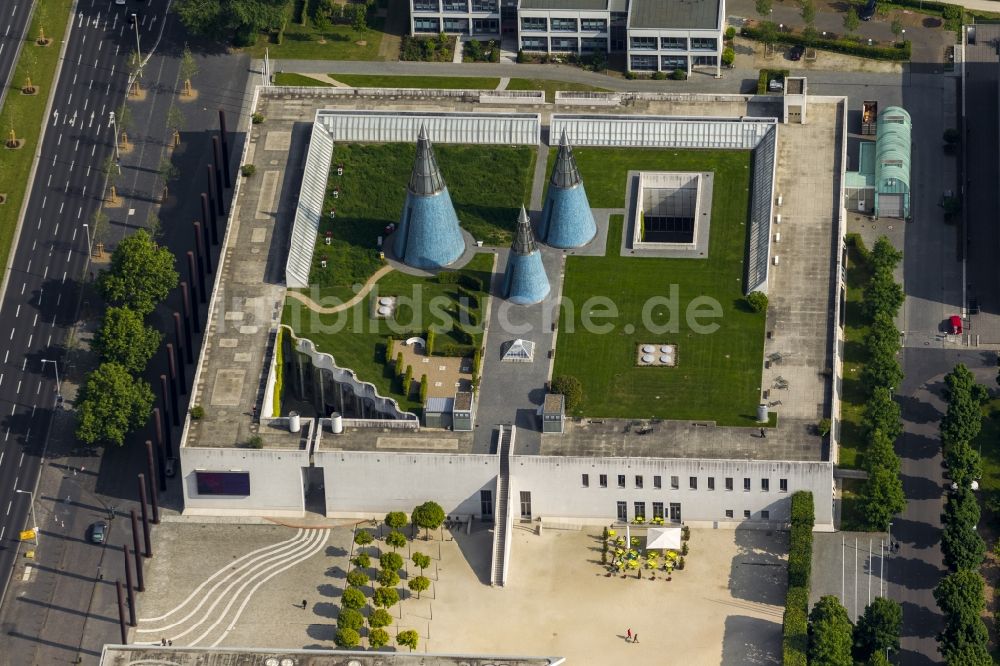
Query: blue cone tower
428, 236
566, 218
524, 281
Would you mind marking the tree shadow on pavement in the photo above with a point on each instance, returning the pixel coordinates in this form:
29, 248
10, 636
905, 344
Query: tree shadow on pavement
921, 488
320, 632
917, 534
918, 447
920, 621
758, 570
328, 590
911, 573
326, 609
743, 641
917, 411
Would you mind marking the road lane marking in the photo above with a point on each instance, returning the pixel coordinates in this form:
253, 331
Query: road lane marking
28, 346
17, 312
18, 391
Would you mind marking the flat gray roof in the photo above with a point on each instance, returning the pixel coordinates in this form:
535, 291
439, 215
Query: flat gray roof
120, 655
565, 5
684, 14
614, 438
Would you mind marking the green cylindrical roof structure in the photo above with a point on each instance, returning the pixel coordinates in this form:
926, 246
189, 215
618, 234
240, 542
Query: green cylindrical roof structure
892, 163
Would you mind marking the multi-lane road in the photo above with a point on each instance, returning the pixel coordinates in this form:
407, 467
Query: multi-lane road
15, 23
41, 285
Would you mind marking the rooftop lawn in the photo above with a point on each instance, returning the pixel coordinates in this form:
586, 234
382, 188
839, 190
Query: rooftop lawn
307, 42
550, 86
398, 81
854, 393
604, 171
487, 185
718, 375
357, 341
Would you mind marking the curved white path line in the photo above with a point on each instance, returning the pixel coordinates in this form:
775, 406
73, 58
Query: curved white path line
221, 571
299, 539
265, 564
317, 547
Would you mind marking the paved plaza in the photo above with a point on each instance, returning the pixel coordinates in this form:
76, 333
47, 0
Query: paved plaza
227, 585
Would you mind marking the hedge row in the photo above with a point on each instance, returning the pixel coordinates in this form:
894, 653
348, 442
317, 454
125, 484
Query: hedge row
803, 511
900, 51
795, 621
795, 625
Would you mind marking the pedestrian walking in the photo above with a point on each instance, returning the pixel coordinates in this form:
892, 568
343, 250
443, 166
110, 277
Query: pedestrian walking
628, 635
635, 639
763, 434
303, 604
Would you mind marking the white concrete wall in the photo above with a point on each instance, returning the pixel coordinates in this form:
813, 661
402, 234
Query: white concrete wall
276, 487
366, 483
558, 495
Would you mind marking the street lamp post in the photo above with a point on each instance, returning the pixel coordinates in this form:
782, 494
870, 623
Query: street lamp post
31, 507
114, 123
55, 364
138, 51
86, 228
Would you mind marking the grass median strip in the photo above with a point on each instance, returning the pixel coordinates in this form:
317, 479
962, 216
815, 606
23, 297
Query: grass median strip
293, 79
25, 113
439, 82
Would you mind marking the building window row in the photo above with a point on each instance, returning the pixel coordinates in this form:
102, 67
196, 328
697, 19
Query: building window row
671, 511
485, 26
564, 25
535, 43
565, 44
426, 6
704, 43
456, 25
639, 482
491, 6
426, 25
747, 514
593, 25
642, 43
456, 6
534, 23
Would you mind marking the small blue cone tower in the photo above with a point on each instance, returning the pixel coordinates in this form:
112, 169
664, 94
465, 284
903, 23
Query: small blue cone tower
566, 218
524, 281
428, 236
